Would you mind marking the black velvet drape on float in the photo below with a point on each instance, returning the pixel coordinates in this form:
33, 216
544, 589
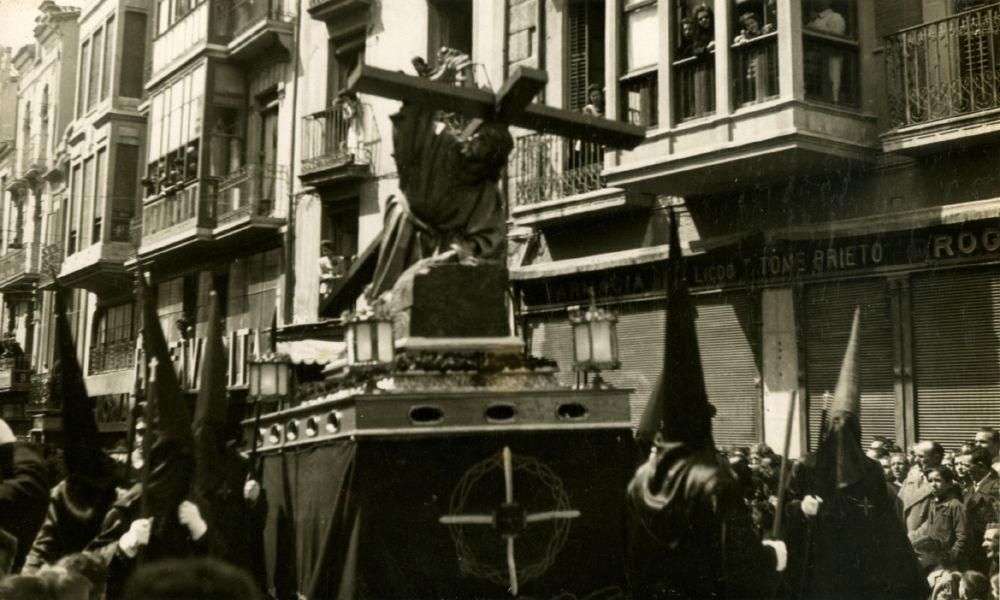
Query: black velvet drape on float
362, 519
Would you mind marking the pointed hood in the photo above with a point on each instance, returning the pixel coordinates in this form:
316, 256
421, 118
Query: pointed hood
167, 446
163, 388
85, 460
210, 409
839, 458
679, 409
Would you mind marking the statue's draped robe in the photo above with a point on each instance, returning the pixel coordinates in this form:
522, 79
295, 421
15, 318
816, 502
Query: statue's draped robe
449, 196
690, 535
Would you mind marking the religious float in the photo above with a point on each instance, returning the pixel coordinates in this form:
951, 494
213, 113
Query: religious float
434, 457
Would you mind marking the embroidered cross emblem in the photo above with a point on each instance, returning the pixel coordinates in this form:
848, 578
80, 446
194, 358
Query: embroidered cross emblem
153, 363
509, 519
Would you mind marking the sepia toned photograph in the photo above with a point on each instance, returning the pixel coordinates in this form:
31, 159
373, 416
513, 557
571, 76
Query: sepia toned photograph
499, 299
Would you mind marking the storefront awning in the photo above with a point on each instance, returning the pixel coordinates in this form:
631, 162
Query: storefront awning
596, 262
312, 352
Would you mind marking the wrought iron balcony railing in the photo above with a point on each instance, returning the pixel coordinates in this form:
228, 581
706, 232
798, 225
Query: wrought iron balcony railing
548, 167
343, 134
944, 69
112, 356
246, 13
252, 191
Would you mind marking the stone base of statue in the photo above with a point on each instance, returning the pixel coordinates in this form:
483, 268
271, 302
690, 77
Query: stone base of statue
450, 300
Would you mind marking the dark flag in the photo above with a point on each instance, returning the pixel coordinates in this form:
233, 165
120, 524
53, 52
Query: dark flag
220, 470
168, 446
689, 531
79, 503
854, 546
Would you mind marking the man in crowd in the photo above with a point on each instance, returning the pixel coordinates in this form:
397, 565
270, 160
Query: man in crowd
982, 503
900, 468
916, 491
989, 439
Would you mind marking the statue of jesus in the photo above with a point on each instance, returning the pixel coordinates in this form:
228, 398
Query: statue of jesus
451, 207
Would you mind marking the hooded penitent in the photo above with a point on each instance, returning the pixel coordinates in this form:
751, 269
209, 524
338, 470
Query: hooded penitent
840, 460
679, 409
167, 446
86, 462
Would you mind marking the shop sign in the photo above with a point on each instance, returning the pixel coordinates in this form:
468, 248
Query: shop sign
780, 261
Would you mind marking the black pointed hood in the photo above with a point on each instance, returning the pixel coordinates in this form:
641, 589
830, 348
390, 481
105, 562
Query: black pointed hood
679, 409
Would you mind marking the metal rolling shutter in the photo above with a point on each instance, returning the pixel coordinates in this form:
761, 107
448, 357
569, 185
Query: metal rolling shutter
641, 329
829, 310
730, 359
956, 354
551, 337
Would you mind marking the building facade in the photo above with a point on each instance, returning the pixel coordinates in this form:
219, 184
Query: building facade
820, 154
46, 73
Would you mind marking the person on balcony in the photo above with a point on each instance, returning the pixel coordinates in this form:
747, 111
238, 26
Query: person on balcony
330, 268
703, 39
595, 101
825, 19
351, 119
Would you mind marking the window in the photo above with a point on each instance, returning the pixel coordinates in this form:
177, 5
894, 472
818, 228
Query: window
174, 127
76, 201
109, 57
94, 75
585, 38
694, 60
344, 61
450, 26
126, 168
87, 202
829, 32
340, 243
754, 51
81, 88
253, 288
99, 203
134, 40
639, 81
162, 16
170, 308
113, 343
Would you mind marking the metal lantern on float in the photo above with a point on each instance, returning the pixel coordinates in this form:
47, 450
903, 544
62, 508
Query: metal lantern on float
270, 375
595, 339
370, 344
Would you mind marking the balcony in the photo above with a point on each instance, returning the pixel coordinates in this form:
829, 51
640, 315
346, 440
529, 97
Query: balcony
34, 163
99, 268
556, 179
19, 268
259, 27
943, 82
341, 12
339, 144
754, 111
52, 258
15, 372
250, 204
113, 356
179, 221
184, 38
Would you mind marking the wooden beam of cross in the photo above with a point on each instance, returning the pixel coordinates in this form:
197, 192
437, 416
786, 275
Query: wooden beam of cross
511, 105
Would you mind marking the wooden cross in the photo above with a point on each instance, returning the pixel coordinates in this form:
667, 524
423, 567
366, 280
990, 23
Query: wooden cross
511, 105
